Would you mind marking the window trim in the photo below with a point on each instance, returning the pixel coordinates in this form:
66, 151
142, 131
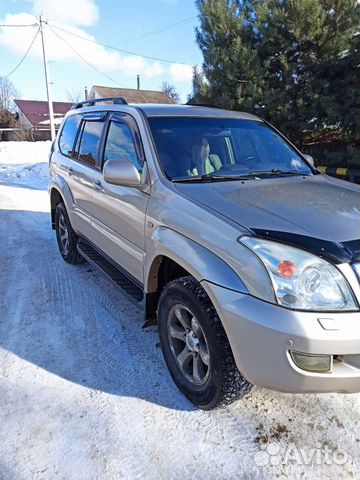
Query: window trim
130, 122
90, 117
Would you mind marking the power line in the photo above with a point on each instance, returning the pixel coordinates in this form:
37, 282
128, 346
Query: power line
23, 58
84, 60
128, 52
159, 30
13, 25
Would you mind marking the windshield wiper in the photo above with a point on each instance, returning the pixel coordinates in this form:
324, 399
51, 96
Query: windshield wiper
213, 177
278, 171
210, 177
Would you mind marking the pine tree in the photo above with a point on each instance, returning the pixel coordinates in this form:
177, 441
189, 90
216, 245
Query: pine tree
227, 41
294, 62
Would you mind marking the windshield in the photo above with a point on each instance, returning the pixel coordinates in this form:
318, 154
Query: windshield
202, 148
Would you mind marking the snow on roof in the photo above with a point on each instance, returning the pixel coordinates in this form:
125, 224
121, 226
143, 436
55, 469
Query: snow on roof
57, 121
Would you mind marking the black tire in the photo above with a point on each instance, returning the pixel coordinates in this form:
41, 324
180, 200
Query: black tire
70, 254
223, 383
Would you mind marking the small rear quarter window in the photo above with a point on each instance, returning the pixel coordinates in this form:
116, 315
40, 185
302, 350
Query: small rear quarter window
68, 134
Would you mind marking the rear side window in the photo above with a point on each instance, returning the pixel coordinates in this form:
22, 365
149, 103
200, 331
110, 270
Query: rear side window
88, 148
68, 134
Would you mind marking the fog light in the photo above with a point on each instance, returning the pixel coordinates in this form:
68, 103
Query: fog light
312, 363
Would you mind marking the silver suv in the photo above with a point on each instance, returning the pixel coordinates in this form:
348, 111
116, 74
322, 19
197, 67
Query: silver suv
245, 257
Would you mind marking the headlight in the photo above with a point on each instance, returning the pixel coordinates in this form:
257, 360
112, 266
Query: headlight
301, 280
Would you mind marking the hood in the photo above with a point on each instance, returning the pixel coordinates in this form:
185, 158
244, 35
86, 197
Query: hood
315, 207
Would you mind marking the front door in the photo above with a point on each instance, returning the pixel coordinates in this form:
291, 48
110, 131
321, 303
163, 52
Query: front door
119, 212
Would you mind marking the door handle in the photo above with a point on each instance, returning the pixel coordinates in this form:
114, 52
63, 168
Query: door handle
70, 170
97, 186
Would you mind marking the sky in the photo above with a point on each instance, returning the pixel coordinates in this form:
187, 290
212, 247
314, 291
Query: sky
131, 25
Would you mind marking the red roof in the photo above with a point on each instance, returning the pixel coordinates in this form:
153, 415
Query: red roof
37, 112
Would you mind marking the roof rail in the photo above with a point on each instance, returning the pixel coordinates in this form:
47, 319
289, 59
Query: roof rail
207, 105
91, 103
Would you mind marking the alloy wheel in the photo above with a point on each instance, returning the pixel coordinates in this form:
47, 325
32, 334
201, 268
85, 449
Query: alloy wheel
64, 235
188, 344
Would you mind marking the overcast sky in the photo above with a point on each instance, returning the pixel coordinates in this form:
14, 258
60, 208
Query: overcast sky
112, 22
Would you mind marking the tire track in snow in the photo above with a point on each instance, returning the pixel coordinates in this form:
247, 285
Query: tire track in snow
216, 428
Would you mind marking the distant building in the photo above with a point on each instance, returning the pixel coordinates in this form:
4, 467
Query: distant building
131, 95
34, 115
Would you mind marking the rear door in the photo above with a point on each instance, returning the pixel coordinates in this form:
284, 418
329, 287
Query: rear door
83, 166
119, 212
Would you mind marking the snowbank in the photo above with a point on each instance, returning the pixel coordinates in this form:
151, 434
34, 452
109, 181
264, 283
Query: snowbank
24, 152
24, 159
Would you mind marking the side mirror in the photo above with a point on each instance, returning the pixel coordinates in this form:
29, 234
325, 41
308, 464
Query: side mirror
121, 172
309, 158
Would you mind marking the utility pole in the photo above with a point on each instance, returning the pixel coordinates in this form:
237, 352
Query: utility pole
47, 80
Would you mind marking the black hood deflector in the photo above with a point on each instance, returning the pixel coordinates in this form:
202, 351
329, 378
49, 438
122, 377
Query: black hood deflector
337, 252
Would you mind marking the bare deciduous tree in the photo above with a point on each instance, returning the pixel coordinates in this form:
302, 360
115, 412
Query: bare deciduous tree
171, 91
75, 96
7, 94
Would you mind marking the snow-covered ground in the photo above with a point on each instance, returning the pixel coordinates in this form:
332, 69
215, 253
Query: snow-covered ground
84, 391
20, 160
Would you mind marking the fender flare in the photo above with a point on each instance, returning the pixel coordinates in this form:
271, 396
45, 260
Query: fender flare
200, 262
63, 190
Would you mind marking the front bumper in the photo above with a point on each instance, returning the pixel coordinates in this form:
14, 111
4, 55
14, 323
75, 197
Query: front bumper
262, 335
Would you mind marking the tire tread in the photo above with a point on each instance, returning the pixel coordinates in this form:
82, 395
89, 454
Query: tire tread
234, 385
74, 256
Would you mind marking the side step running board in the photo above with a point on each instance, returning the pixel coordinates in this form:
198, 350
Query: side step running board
129, 287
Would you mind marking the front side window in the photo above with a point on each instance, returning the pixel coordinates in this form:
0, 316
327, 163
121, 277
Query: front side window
191, 148
68, 134
120, 145
88, 142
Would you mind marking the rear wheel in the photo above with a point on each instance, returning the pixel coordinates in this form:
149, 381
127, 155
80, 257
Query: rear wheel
66, 238
195, 347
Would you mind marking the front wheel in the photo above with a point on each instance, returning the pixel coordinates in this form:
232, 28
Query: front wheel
195, 347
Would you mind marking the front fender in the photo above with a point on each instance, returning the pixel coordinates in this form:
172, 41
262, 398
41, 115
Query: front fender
200, 262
